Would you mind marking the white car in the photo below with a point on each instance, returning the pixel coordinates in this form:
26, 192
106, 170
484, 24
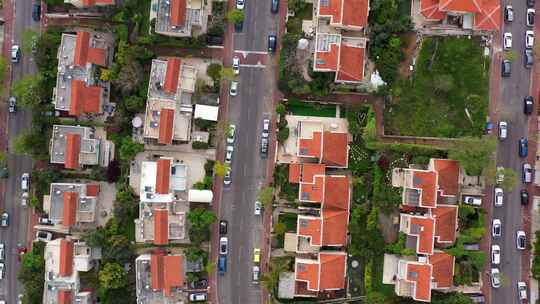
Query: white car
507, 41
25, 182
15, 53
500, 175
230, 136
495, 254
240, 4
495, 278
256, 273
228, 154
43, 236
24, 199
2, 271
471, 200
2, 251
227, 180
266, 128
521, 241
258, 208
499, 197
496, 228
529, 39
522, 291
223, 245
236, 65
234, 88
503, 130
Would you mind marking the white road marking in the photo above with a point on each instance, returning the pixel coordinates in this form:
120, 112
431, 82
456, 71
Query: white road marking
258, 65
245, 53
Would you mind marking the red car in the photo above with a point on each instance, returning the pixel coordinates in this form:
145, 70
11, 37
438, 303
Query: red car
21, 250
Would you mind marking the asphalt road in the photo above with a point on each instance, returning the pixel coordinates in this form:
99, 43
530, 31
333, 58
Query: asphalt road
17, 231
510, 109
247, 111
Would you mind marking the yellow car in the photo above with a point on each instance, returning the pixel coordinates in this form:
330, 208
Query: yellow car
256, 255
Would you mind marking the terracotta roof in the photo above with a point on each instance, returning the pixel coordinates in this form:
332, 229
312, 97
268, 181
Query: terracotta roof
335, 149
161, 226
94, 2
163, 176
65, 297
332, 270
85, 54
70, 208
462, 6
445, 223
92, 189
294, 173
172, 75
336, 192
313, 192
66, 258
327, 60
443, 269
355, 13
426, 181
73, 148
309, 227
448, 175
426, 233
84, 99
420, 275
167, 272
489, 18
310, 147
351, 63
331, 8
308, 272
335, 210
430, 10
178, 12
166, 126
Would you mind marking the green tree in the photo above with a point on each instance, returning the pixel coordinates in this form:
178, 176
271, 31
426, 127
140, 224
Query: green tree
282, 135
270, 279
27, 90
27, 39
227, 73
30, 143
106, 75
443, 83
3, 159
201, 219
280, 228
32, 273
220, 169
281, 109
266, 196
214, 71
510, 178
451, 298
129, 77
113, 276
129, 149
195, 253
236, 16
3, 70
473, 154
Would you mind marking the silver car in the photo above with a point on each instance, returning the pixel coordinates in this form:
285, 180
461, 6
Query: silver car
503, 130
495, 278
496, 228
258, 208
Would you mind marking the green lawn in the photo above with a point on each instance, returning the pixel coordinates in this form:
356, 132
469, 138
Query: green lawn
311, 109
451, 76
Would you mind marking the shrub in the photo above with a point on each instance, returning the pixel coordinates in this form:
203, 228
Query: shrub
199, 145
283, 135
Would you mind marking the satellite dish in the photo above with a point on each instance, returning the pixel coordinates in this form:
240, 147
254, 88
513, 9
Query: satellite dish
136, 122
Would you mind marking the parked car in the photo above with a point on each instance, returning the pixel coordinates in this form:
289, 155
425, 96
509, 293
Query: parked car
223, 227
36, 12
258, 208
229, 154
4, 219
527, 172
238, 26
530, 16
274, 6
528, 58
495, 254
523, 147
198, 297
25, 182
508, 13
500, 175
503, 130
234, 88
529, 39
521, 241
496, 228
524, 196
471, 200
24, 199
222, 264
15, 53
240, 4
43, 236
264, 147
495, 278
230, 136
256, 255
227, 180
256, 274
236, 65
507, 40
528, 103
45, 221
506, 68
12, 102
200, 284
223, 245
498, 197
266, 128
2, 271
272, 43
530, 3
2, 251
522, 291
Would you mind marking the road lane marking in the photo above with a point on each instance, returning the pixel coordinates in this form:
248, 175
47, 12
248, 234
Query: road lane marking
245, 53
258, 65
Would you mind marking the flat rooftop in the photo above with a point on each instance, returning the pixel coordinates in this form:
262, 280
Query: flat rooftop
89, 146
173, 224
178, 24
181, 124
86, 201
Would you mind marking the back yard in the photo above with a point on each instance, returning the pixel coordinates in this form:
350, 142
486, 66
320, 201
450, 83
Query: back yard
451, 80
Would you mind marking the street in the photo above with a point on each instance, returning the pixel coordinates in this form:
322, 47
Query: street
17, 231
257, 86
510, 109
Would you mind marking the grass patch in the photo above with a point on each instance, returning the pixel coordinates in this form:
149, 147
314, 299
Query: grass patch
451, 77
297, 107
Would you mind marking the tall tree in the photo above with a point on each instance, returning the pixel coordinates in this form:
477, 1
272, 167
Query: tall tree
473, 154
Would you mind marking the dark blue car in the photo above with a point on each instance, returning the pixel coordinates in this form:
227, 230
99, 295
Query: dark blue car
523, 147
222, 264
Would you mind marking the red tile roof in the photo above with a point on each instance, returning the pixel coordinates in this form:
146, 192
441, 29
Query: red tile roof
294, 173
462, 6
84, 99
426, 181
313, 192
430, 10
178, 12
161, 226
445, 223
355, 13
92, 189
487, 13
167, 272
73, 148
163, 176
70, 208
332, 271
443, 269
66, 258
351, 63
490, 17
327, 60
304, 173
331, 8
94, 2
166, 125
85, 54
336, 192
335, 210
420, 275
426, 234
448, 175
335, 149
308, 272
310, 227
172, 75
310, 147
65, 297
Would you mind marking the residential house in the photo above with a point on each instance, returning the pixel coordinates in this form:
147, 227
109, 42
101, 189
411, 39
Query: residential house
179, 18
79, 90
169, 109
90, 3
76, 147
64, 259
477, 15
325, 274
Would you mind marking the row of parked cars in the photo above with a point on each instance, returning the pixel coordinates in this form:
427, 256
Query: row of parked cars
528, 57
